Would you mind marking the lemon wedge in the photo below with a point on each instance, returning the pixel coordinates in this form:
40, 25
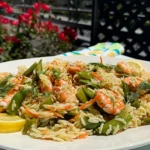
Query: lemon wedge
136, 65
10, 124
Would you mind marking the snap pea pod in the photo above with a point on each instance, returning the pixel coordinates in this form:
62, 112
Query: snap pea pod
56, 73
115, 125
85, 75
39, 66
16, 102
88, 125
46, 96
73, 112
47, 101
94, 68
30, 70
136, 103
38, 70
84, 81
146, 121
89, 83
126, 90
81, 96
89, 92
28, 125
106, 67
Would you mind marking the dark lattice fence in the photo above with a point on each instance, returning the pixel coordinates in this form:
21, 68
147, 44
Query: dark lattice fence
125, 21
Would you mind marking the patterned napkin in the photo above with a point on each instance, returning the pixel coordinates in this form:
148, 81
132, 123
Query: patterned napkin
107, 49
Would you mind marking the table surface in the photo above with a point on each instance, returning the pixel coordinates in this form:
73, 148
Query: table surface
147, 147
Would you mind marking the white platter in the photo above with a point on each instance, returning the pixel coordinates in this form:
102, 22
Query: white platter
131, 138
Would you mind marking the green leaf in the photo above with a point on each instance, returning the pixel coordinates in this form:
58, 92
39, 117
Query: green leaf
46, 94
130, 97
5, 80
5, 86
5, 89
144, 86
35, 92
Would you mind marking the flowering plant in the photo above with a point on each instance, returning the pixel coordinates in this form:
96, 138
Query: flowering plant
29, 36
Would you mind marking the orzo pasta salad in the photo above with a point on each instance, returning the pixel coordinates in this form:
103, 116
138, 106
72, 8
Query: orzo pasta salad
63, 101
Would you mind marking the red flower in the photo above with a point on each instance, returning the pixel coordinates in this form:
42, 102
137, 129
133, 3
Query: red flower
4, 20
62, 37
25, 18
49, 25
13, 39
41, 6
37, 5
3, 5
43, 24
70, 32
21, 18
45, 7
1, 50
14, 22
9, 10
55, 28
31, 11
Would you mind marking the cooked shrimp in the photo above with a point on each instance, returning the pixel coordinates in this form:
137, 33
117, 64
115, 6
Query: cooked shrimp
109, 101
133, 82
73, 69
58, 107
5, 101
62, 82
124, 67
76, 67
63, 95
58, 84
42, 114
45, 83
67, 95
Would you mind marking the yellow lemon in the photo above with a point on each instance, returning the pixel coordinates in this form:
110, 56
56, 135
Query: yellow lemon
10, 123
136, 65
